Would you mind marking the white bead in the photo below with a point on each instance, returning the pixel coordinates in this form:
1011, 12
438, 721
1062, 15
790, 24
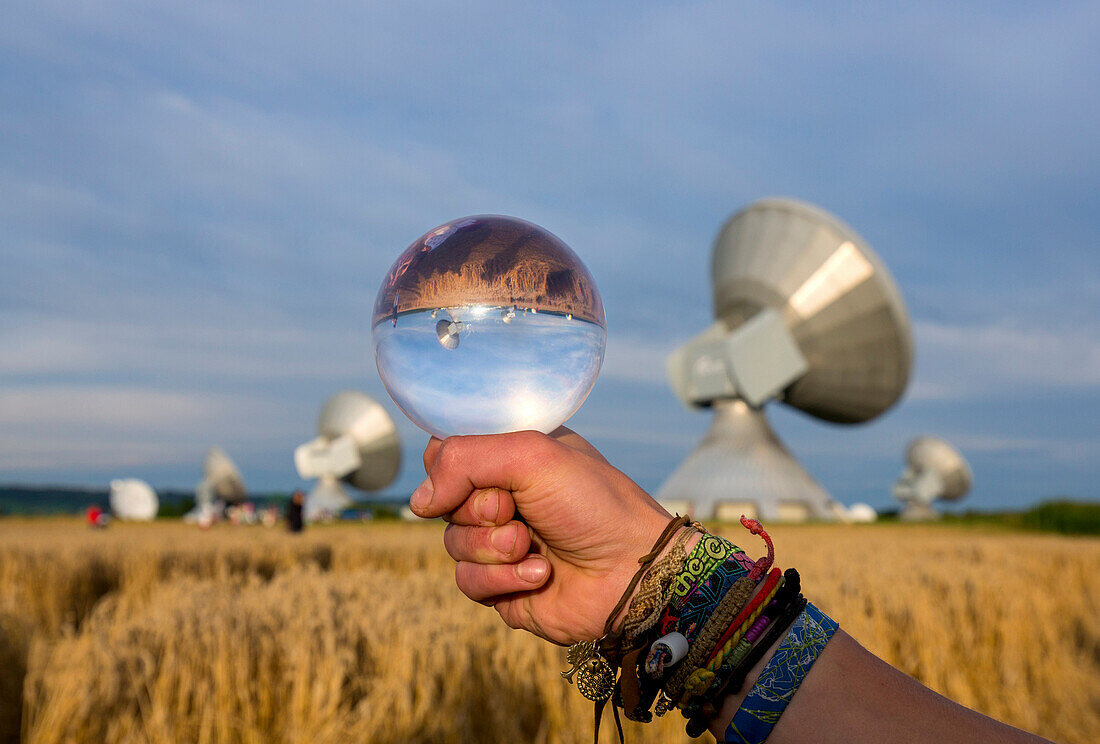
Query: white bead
675, 643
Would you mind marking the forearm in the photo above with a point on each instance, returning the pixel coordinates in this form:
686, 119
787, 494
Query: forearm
850, 696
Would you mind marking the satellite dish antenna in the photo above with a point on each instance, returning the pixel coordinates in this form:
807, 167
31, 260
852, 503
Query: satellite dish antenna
133, 500
358, 445
935, 471
806, 314
221, 485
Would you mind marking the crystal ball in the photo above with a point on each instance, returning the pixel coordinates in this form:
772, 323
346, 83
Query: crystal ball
488, 324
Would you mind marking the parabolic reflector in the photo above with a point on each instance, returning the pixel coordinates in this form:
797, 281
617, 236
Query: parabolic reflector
221, 476
358, 444
835, 296
935, 471
370, 427
133, 500
807, 314
929, 453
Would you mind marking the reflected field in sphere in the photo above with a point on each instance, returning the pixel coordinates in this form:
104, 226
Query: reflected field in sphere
486, 370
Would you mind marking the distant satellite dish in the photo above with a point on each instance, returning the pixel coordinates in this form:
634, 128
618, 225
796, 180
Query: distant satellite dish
358, 445
935, 471
133, 500
221, 485
223, 477
806, 314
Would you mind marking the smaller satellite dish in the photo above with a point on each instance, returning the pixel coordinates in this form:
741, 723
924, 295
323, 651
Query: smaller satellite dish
223, 477
221, 485
935, 471
133, 500
358, 445
448, 332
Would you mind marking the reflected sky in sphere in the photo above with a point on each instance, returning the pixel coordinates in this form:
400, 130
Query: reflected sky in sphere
510, 369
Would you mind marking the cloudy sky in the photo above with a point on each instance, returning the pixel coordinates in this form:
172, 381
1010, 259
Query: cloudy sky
198, 201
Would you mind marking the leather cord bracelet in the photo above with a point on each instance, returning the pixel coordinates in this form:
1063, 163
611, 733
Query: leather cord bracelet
594, 662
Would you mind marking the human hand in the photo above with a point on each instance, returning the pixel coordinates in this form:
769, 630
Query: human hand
561, 574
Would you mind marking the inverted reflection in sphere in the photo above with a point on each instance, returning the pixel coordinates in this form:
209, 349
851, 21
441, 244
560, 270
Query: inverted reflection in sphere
488, 324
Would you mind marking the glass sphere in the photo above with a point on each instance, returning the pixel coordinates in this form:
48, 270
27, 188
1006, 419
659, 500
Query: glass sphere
488, 324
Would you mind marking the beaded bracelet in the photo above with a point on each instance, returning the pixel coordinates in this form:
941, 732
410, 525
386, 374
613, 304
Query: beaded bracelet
777, 684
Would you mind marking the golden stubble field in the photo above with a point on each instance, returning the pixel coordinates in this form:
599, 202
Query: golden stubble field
356, 633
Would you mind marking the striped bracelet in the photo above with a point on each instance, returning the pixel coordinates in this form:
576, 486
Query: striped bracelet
777, 684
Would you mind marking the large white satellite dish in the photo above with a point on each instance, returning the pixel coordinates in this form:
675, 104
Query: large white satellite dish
133, 500
806, 314
358, 445
935, 471
221, 485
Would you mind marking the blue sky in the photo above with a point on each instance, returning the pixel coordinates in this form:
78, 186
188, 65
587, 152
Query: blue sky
197, 203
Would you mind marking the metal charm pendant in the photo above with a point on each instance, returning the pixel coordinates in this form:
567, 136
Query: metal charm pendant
596, 679
576, 656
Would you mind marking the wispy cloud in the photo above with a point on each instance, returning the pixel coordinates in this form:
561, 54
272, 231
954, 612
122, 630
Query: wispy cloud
968, 360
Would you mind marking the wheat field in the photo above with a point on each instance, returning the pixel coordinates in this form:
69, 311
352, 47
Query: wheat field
356, 633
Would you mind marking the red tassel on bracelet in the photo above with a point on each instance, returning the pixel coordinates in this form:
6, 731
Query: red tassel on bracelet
763, 564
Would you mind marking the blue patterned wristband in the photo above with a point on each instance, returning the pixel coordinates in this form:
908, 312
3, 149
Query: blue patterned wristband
768, 698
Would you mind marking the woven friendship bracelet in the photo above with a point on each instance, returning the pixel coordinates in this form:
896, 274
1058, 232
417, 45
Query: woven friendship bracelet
744, 621
710, 552
774, 601
729, 610
700, 674
702, 603
701, 606
787, 605
739, 627
652, 597
781, 614
779, 681
729, 613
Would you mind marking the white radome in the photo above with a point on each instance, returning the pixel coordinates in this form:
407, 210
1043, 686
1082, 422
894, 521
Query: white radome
133, 500
861, 514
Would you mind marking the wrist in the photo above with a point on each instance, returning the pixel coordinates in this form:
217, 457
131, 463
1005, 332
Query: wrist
688, 545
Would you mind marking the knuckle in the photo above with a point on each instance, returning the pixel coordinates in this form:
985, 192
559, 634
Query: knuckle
544, 450
532, 441
449, 456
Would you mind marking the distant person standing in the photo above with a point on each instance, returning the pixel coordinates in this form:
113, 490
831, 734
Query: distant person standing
96, 517
294, 520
